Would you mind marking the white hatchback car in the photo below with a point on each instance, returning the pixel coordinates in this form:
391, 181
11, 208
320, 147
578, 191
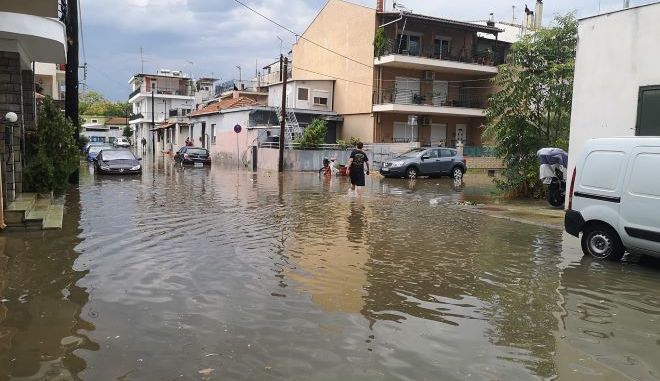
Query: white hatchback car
614, 197
122, 142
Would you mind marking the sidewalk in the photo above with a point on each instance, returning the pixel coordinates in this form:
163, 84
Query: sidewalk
535, 212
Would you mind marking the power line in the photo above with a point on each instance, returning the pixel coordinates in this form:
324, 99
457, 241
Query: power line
332, 76
82, 31
370, 66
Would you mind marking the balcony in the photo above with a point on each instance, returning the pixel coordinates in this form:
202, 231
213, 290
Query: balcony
429, 103
162, 92
42, 39
436, 58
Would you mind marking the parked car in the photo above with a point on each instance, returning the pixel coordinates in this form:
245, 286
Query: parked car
117, 161
92, 144
614, 197
94, 150
196, 156
122, 143
426, 162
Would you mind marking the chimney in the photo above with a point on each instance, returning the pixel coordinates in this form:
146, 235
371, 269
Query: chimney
380, 6
529, 18
491, 20
539, 14
626, 4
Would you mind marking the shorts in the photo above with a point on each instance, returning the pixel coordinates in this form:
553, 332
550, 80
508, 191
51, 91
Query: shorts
357, 177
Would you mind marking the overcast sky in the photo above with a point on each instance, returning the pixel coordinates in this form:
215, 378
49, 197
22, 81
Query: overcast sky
212, 37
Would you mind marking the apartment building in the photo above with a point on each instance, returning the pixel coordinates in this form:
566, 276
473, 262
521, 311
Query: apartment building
162, 99
425, 79
30, 31
50, 79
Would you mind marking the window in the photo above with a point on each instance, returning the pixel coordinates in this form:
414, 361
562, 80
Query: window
441, 47
213, 134
648, 111
95, 120
447, 153
601, 170
641, 183
410, 44
303, 94
320, 101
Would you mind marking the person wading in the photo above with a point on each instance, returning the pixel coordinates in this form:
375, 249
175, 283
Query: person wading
356, 164
144, 145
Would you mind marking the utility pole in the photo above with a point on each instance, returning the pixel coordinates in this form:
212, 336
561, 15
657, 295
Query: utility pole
285, 63
153, 125
72, 62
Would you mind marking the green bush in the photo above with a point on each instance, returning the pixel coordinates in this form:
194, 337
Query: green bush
314, 134
350, 143
54, 153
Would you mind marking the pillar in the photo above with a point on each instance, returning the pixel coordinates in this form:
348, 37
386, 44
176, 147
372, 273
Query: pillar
11, 100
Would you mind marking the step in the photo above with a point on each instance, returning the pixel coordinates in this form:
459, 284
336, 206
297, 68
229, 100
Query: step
54, 217
38, 211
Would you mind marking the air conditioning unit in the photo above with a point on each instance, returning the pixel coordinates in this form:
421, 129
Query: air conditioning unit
425, 120
429, 75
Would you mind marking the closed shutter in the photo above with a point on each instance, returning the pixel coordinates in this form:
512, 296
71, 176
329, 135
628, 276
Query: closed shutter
648, 111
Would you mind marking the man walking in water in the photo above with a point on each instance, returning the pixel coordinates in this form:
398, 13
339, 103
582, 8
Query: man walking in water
144, 145
356, 164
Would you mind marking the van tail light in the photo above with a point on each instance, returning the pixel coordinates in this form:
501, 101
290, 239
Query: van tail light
570, 194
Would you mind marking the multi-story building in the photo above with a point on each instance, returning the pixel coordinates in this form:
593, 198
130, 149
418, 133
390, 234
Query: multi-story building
103, 129
50, 79
166, 97
30, 31
400, 76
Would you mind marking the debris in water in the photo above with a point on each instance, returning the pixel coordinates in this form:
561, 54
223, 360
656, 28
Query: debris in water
206, 373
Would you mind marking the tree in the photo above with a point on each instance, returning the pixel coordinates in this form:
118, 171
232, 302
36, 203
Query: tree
94, 103
532, 108
54, 154
128, 132
314, 134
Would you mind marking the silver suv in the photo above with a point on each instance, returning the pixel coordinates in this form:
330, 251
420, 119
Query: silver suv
426, 162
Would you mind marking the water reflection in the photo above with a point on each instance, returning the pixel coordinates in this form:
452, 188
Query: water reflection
261, 276
41, 321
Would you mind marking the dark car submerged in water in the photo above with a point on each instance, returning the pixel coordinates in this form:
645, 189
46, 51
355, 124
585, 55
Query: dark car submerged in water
117, 161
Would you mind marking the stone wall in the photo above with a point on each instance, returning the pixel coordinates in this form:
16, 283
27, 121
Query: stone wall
484, 163
12, 99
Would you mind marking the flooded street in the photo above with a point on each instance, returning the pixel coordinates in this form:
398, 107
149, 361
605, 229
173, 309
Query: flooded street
189, 274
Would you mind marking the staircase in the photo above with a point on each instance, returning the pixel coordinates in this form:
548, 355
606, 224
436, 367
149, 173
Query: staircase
292, 129
29, 212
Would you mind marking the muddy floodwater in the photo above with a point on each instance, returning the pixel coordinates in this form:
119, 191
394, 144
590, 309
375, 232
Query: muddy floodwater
218, 274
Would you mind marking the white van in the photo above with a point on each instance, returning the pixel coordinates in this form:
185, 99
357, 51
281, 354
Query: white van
614, 197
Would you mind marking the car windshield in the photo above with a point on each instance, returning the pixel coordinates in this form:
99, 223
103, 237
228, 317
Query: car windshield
97, 149
118, 155
411, 153
197, 151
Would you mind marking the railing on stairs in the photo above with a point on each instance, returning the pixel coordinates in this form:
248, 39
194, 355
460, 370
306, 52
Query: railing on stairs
292, 129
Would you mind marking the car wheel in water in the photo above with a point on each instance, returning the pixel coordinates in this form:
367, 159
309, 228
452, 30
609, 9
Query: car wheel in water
412, 173
602, 242
457, 173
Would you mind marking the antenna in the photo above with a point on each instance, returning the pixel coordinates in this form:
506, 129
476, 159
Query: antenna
513, 12
281, 43
142, 60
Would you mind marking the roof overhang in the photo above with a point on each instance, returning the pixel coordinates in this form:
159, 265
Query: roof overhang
43, 39
447, 22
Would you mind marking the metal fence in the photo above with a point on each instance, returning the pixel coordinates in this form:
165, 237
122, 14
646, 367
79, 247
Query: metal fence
483, 57
466, 99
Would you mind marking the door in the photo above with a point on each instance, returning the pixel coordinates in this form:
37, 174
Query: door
441, 48
406, 90
204, 134
447, 160
640, 201
648, 111
431, 163
461, 133
438, 134
440, 93
404, 133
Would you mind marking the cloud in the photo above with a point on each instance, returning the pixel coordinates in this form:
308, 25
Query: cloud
217, 35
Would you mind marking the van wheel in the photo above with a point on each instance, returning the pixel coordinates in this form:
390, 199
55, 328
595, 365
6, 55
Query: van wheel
602, 242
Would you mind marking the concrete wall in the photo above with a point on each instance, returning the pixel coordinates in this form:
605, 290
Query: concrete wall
348, 29
359, 126
607, 81
316, 88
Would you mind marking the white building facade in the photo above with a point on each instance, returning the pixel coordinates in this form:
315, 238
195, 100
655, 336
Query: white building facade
617, 81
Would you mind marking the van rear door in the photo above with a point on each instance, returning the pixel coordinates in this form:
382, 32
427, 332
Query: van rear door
640, 202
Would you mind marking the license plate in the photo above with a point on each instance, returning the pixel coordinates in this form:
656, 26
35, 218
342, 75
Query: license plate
385, 169
199, 165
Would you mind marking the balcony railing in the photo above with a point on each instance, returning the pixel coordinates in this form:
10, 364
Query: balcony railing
162, 91
487, 58
465, 99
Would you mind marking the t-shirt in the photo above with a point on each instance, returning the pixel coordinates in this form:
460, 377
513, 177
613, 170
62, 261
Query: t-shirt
359, 158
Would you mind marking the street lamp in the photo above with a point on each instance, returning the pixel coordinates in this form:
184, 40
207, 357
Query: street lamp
11, 117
